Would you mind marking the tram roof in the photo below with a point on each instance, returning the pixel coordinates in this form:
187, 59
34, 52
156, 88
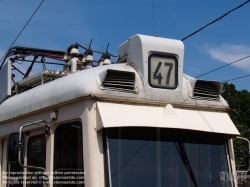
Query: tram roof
128, 81
89, 83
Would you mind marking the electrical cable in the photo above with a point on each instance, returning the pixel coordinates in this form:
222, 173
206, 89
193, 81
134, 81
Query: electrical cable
218, 19
223, 66
22, 29
15, 68
19, 62
129, 159
54, 63
154, 17
236, 78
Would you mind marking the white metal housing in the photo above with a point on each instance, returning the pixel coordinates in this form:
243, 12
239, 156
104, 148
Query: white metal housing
5, 83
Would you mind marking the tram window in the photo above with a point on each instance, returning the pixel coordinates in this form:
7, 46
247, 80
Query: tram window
14, 175
144, 157
68, 155
163, 71
36, 157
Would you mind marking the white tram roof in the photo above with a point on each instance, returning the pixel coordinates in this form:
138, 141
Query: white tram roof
133, 55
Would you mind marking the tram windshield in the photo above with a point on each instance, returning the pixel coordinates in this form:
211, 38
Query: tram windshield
154, 157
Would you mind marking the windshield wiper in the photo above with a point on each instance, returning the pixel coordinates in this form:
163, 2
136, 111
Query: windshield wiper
182, 151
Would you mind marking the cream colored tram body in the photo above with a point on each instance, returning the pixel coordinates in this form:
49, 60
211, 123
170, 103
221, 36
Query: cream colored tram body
140, 122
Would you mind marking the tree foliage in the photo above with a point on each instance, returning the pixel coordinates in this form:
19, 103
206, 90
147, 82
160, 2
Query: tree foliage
239, 102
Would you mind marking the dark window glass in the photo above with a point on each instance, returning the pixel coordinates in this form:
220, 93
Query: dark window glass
15, 175
146, 157
68, 155
37, 151
36, 157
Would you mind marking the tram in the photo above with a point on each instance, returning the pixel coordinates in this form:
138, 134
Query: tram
139, 122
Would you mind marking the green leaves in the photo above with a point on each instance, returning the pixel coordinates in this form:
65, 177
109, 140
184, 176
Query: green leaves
239, 102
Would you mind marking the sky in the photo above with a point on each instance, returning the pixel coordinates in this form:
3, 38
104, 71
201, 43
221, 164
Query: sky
57, 24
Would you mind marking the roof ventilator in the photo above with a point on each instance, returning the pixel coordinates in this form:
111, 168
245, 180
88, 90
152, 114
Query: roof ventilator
119, 81
205, 90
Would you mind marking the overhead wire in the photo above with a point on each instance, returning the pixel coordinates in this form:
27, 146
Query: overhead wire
22, 30
130, 159
153, 7
218, 19
236, 78
223, 66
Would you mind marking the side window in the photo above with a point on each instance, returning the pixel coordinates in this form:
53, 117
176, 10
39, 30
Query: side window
68, 155
36, 156
14, 173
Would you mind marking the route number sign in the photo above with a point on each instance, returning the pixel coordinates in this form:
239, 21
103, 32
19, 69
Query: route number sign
163, 71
